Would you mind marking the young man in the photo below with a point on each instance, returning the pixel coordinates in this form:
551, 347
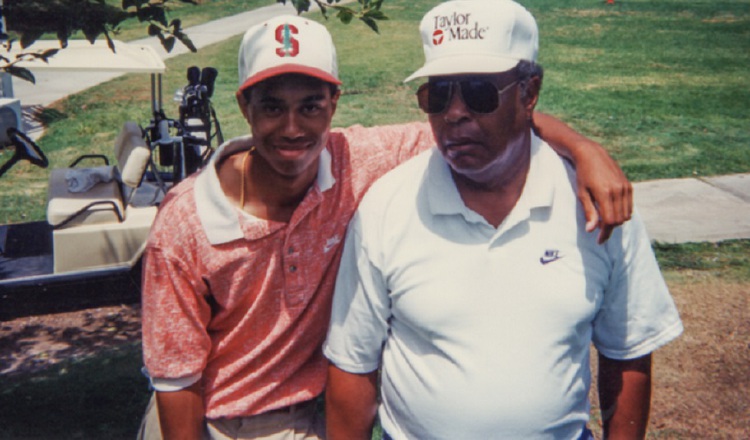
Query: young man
468, 278
242, 258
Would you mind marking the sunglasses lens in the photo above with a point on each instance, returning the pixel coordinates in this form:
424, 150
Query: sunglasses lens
434, 97
480, 96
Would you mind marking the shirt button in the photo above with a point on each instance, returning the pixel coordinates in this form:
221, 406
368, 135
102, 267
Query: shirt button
292, 269
290, 250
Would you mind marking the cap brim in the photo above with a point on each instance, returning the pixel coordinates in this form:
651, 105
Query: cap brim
289, 68
464, 64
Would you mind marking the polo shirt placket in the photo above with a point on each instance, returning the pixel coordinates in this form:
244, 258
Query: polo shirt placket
292, 255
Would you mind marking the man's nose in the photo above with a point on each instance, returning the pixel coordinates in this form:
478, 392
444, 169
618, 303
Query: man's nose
456, 109
292, 126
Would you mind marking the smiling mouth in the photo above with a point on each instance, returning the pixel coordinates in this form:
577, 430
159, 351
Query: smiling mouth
291, 150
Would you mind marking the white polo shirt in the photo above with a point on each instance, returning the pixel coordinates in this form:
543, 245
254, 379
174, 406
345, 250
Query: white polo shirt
484, 332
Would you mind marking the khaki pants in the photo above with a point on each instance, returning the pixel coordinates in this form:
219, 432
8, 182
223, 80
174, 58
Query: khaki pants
295, 423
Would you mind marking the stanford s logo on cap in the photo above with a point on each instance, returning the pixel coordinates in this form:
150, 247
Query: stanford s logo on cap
290, 46
286, 44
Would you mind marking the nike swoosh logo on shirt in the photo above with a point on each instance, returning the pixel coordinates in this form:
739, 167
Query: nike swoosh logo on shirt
330, 243
547, 260
550, 255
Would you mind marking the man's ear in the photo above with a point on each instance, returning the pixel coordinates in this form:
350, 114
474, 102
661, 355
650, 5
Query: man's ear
531, 95
244, 107
335, 101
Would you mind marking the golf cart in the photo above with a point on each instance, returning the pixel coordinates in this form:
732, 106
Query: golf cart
98, 215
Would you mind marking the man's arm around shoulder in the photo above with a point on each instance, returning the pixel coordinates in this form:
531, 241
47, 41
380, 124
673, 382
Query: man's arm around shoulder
351, 404
603, 189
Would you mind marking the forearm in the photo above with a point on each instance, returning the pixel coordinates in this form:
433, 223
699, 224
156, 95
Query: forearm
181, 413
351, 404
563, 139
625, 397
605, 193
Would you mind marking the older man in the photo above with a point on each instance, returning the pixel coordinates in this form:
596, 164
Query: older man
468, 277
242, 258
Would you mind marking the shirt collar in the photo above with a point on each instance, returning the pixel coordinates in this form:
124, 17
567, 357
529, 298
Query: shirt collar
538, 192
218, 216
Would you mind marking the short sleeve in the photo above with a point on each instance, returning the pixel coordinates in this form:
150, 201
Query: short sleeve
361, 308
176, 344
384, 147
638, 314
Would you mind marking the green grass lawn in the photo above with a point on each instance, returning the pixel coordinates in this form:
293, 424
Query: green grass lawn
663, 85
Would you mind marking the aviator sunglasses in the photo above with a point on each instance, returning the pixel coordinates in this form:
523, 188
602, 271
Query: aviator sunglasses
480, 96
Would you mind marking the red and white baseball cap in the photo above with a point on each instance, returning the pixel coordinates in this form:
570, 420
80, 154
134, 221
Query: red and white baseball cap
476, 36
287, 44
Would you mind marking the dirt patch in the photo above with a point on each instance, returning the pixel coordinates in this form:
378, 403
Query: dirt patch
35, 343
702, 380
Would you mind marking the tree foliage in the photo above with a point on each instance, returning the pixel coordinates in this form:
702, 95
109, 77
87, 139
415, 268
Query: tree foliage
367, 11
29, 20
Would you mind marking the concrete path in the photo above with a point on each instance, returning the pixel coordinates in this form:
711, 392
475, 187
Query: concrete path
675, 211
693, 210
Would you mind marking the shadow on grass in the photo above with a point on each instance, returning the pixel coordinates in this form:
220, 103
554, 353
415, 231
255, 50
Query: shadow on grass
102, 396
32, 344
48, 115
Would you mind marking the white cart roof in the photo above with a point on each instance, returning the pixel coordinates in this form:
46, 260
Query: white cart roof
80, 55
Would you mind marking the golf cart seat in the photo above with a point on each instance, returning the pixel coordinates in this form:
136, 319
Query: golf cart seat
104, 202
99, 227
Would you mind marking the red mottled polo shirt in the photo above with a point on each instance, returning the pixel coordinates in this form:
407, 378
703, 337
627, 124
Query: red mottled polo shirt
242, 303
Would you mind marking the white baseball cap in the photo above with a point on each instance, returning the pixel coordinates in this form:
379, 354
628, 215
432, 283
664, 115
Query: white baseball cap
476, 36
287, 44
